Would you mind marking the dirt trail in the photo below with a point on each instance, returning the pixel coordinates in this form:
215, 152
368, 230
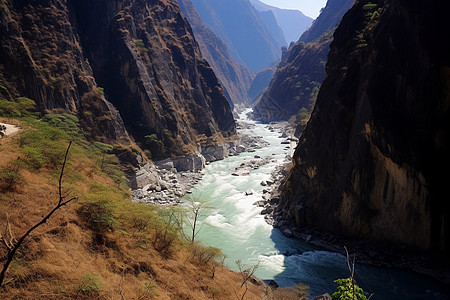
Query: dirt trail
10, 129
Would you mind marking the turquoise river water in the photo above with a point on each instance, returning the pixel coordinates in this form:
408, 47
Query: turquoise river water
236, 226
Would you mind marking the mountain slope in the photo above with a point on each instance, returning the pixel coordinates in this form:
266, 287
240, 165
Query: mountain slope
84, 57
368, 163
329, 18
293, 89
235, 78
292, 22
145, 56
41, 58
240, 26
296, 81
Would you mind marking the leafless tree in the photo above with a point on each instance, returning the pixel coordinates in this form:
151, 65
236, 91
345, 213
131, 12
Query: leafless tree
8, 240
195, 210
246, 274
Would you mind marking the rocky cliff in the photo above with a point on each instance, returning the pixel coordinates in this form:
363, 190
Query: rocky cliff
41, 58
294, 86
249, 39
372, 159
329, 18
88, 57
296, 81
235, 77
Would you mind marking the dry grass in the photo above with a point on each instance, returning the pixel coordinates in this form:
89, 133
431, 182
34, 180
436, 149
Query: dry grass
67, 259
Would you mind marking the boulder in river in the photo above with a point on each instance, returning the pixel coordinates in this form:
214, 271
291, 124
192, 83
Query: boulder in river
248, 192
287, 232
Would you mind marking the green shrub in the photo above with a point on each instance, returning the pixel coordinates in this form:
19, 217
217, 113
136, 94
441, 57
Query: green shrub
44, 146
141, 46
9, 177
348, 290
98, 216
205, 255
155, 145
90, 284
21, 107
150, 288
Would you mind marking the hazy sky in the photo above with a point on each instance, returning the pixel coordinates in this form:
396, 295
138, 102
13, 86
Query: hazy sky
310, 8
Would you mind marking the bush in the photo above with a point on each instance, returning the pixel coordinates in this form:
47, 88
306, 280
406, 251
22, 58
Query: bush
155, 145
98, 216
18, 108
204, 255
90, 284
43, 146
348, 290
9, 178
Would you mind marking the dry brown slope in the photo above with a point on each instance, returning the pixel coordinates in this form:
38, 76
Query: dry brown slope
100, 246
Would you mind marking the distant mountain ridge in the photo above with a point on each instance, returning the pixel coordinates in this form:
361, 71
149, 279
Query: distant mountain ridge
252, 37
292, 22
234, 77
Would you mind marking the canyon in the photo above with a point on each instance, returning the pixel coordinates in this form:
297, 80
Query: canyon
346, 144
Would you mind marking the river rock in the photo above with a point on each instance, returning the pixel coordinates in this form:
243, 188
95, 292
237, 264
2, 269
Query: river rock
263, 183
287, 232
260, 203
248, 192
267, 210
324, 297
192, 162
240, 149
165, 164
146, 175
213, 153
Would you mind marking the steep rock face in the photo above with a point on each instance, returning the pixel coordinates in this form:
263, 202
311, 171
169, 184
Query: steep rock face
235, 78
292, 22
296, 81
329, 18
293, 89
371, 160
41, 58
256, 46
145, 56
142, 55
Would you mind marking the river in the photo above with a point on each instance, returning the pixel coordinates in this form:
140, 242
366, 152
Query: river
236, 226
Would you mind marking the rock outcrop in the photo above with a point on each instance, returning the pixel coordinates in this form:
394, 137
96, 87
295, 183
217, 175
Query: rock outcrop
41, 58
372, 159
235, 77
91, 57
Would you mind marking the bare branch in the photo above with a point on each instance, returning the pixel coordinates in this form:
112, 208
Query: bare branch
60, 204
